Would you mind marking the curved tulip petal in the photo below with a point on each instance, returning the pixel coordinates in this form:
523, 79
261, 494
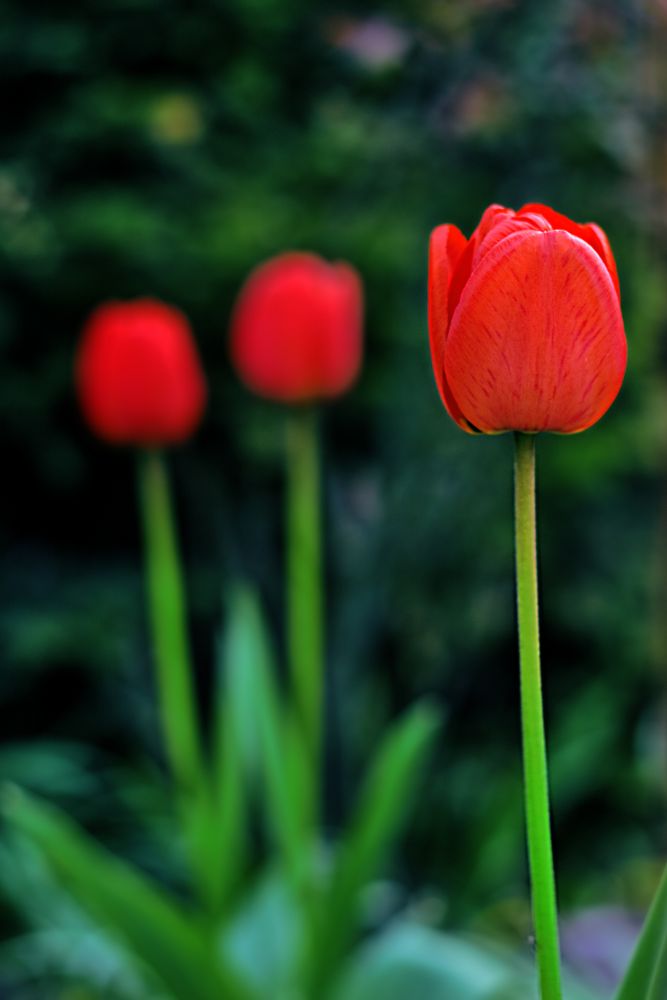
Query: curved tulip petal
589, 232
537, 341
296, 331
460, 276
555, 219
506, 228
446, 248
493, 216
493, 228
138, 374
597, 238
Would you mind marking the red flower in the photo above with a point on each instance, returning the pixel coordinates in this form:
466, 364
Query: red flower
296, 329
525, 322
138, 374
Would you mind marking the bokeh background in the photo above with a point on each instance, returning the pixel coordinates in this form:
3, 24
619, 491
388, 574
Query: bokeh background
152, 147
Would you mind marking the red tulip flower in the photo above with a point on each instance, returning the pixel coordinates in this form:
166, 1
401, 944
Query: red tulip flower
138, 374
296, 329
525, 322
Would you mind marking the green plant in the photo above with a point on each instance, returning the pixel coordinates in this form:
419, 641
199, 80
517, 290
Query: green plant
259, 771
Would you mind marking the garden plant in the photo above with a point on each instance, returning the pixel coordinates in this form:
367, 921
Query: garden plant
526, 336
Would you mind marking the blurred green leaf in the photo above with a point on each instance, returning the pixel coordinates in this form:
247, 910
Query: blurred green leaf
646, 977
64, 943
264, 736
381, 812
33, 963
161, 936
409, 960
241, 648
230, 727
270, 923
413, 961
59, 768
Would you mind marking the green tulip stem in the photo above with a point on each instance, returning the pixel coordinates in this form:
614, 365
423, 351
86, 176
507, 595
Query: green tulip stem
175, 679
536, 782
305, 630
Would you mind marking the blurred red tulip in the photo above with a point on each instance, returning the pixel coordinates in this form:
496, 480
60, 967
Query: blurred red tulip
525, 322
296, 329
138, 374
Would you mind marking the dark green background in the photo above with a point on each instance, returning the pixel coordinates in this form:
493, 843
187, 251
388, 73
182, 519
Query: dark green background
166, 148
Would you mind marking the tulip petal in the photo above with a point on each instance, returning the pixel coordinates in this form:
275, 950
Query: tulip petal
537, 340
589, 232
493, 216
597, 238
296, 330
138, 374
446, 247
504, 229
496, 225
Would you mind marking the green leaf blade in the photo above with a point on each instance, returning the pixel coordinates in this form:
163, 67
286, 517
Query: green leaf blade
647, 973
266, 742
381, 812
158, 934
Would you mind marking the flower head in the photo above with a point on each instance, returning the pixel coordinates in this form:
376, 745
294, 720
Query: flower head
138, 374
296, 331
525, 322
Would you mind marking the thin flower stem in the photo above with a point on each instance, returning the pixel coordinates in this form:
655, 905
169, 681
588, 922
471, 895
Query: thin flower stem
168, 625
305, 629
175, 679
536, 782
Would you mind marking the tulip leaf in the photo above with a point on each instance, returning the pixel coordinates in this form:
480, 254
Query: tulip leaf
160, 936
381, 812
269, 922
647, 973
409, 960
264, 742
234, 763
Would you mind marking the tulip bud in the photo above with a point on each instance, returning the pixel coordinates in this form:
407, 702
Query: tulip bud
138, 374
525, 322
296, 329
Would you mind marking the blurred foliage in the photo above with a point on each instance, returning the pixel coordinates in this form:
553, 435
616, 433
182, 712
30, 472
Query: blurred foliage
201, 939
149, 146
